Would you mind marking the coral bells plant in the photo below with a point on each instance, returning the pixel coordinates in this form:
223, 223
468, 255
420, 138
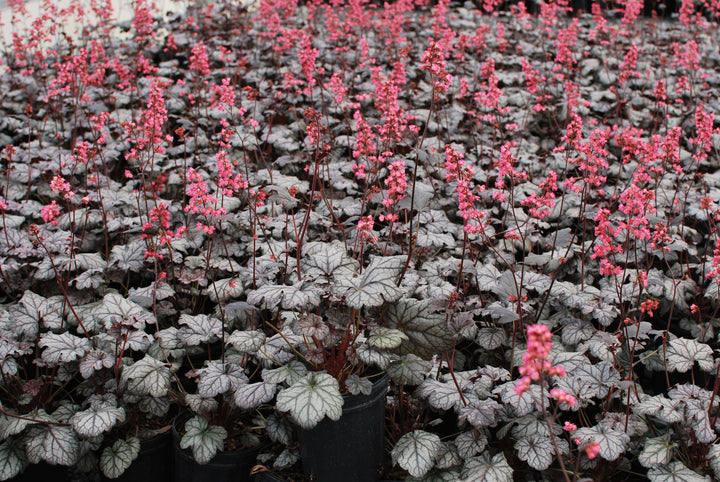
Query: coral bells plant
252, 213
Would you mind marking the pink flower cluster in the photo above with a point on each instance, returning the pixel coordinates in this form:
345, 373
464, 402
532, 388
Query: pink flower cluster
536, 365
396, 183
433, 61
201, 202
458, 171
199, 60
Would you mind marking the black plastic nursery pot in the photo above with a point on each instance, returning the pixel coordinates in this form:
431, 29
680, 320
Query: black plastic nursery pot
154, 462
42, 472
224, 467
353, 448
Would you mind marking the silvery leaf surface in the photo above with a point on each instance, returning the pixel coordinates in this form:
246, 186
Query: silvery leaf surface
95, 421
203, 439
491, 337
443, 396
682, 353
427, 333
252, 395
278, 429
147, 376
612, 442
218, 378
536, 450
358, 385
289, 373
408, 369
485, 468
246, 341
656, 451
470, 443
416, 452
116, 309
64, 347
12, 459
675, 472
312, 398
289, 297
95, 360
376, 284
386, 338
115, 460
198, 329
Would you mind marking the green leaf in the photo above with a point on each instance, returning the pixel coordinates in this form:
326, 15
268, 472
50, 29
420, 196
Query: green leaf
416, 452
376, 285
116, 459
386, 338
682, 354
409, 369
485, 469
311, 398
427, 333
12, 459
204, 439
657, 451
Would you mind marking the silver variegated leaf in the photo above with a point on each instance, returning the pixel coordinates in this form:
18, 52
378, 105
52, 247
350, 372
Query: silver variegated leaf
58, 445
376, 284
115, 460
386, 338
218, 378
443, 396
95, 360
682, 353
198, 329
203, 439
372, 356
470, 443
427, 333
286, 458
483, 468
675, 472
95, 421
612, 442
10, 426
665, 409
416, 452
147, 376
248, 341
12, 459
409, 369
491, 338
199, 404
657, 451
358, 385
536, 450
289, 297
289, 373
116, 309
713, 456
252, 395
64, 347
278, 429
128, 257
312, 398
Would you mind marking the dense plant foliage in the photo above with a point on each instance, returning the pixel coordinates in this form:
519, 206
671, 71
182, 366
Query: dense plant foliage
248, 211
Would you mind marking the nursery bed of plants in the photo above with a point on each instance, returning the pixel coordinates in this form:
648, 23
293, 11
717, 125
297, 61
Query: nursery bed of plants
251, 217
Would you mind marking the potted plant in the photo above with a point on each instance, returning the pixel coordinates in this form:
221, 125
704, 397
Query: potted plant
340, 327
219, 434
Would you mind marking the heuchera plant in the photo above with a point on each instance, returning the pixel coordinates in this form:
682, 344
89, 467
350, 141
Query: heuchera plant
248, 212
